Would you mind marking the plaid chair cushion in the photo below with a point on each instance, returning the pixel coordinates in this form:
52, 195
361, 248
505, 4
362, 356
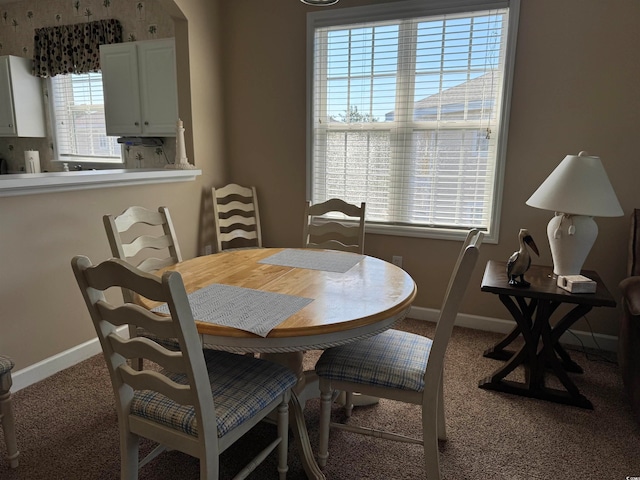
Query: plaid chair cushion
241, 387
392, 359
6, 364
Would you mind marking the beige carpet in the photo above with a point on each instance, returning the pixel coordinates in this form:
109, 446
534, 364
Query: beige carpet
67, 429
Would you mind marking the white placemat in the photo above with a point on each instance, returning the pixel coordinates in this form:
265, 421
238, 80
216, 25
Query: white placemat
339, 262
243, 308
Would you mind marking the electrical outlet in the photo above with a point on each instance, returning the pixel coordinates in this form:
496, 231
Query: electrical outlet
207, 250
397, 260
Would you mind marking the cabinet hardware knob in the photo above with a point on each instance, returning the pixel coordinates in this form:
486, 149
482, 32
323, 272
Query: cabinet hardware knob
146, 123
136, 123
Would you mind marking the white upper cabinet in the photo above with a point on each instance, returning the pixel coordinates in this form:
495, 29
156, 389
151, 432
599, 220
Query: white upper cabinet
140, 88
21, 99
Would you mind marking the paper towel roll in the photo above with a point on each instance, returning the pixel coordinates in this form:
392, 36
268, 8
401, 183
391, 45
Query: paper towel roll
32, 161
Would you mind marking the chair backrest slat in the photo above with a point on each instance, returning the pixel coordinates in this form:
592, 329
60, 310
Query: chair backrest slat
154, 381
335, 245
131, 348
134, 215
147, 241
226, 237
235, 205
237, 220
153, 264
135, 314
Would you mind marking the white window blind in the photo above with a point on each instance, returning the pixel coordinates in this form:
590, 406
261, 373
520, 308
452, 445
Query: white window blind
407, 115
78, 109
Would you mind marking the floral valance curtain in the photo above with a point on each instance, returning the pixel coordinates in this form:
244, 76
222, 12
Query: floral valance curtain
72, 48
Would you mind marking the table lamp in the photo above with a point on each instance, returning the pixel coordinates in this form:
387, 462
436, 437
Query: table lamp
577, 190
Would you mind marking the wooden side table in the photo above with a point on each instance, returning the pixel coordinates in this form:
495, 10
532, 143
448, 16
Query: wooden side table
532, 309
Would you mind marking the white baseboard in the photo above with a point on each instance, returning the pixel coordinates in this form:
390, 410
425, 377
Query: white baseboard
571, 337
49, 366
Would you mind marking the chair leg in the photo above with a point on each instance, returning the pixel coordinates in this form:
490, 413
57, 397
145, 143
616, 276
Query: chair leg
442, 428
283, 433
348, 404
325, 418
8, 427
209, 467
128, 455
431, 426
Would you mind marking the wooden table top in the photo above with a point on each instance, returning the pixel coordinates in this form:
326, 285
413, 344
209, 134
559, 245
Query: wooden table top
371, 291
543, 286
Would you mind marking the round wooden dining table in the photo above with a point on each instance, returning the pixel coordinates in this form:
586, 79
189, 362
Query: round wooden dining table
367, 299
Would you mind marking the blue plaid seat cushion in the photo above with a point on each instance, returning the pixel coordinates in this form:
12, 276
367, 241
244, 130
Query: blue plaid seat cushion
392, 359
241, 387
6, 364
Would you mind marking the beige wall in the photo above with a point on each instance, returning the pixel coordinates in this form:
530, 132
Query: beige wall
575, 89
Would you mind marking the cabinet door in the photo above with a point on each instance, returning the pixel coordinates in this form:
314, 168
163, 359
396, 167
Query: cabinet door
120, 82
158, 87
7, 114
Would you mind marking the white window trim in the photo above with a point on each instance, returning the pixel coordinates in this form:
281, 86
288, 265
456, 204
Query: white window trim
412, 8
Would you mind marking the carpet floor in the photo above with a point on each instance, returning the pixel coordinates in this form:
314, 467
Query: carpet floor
67, 429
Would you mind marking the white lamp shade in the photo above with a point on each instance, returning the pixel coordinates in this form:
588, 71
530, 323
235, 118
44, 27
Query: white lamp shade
578, 186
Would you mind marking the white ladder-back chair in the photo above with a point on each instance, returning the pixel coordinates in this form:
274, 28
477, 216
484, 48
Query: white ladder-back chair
332, 233
236, 217
198, 402
146, 239
6, 411
399, 366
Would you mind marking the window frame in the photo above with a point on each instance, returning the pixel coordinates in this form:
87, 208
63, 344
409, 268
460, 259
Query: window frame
94, 161
408, 9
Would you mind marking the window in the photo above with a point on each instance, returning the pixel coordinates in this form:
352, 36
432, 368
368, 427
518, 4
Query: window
77, 106
408, 112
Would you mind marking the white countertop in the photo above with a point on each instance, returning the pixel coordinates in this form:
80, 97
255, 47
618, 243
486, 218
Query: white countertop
48, 182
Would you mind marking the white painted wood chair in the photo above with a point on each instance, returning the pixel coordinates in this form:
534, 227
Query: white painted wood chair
146, 239
236, 217
6, 411
332, 233
399, 366
198, 402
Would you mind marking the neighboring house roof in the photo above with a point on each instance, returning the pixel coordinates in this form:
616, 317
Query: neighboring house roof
472, 96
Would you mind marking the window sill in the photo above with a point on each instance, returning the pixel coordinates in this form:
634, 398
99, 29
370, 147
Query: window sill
425, 232
33, 183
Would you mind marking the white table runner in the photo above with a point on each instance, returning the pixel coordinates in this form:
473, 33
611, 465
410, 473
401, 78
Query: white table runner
243, 308
339, 262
